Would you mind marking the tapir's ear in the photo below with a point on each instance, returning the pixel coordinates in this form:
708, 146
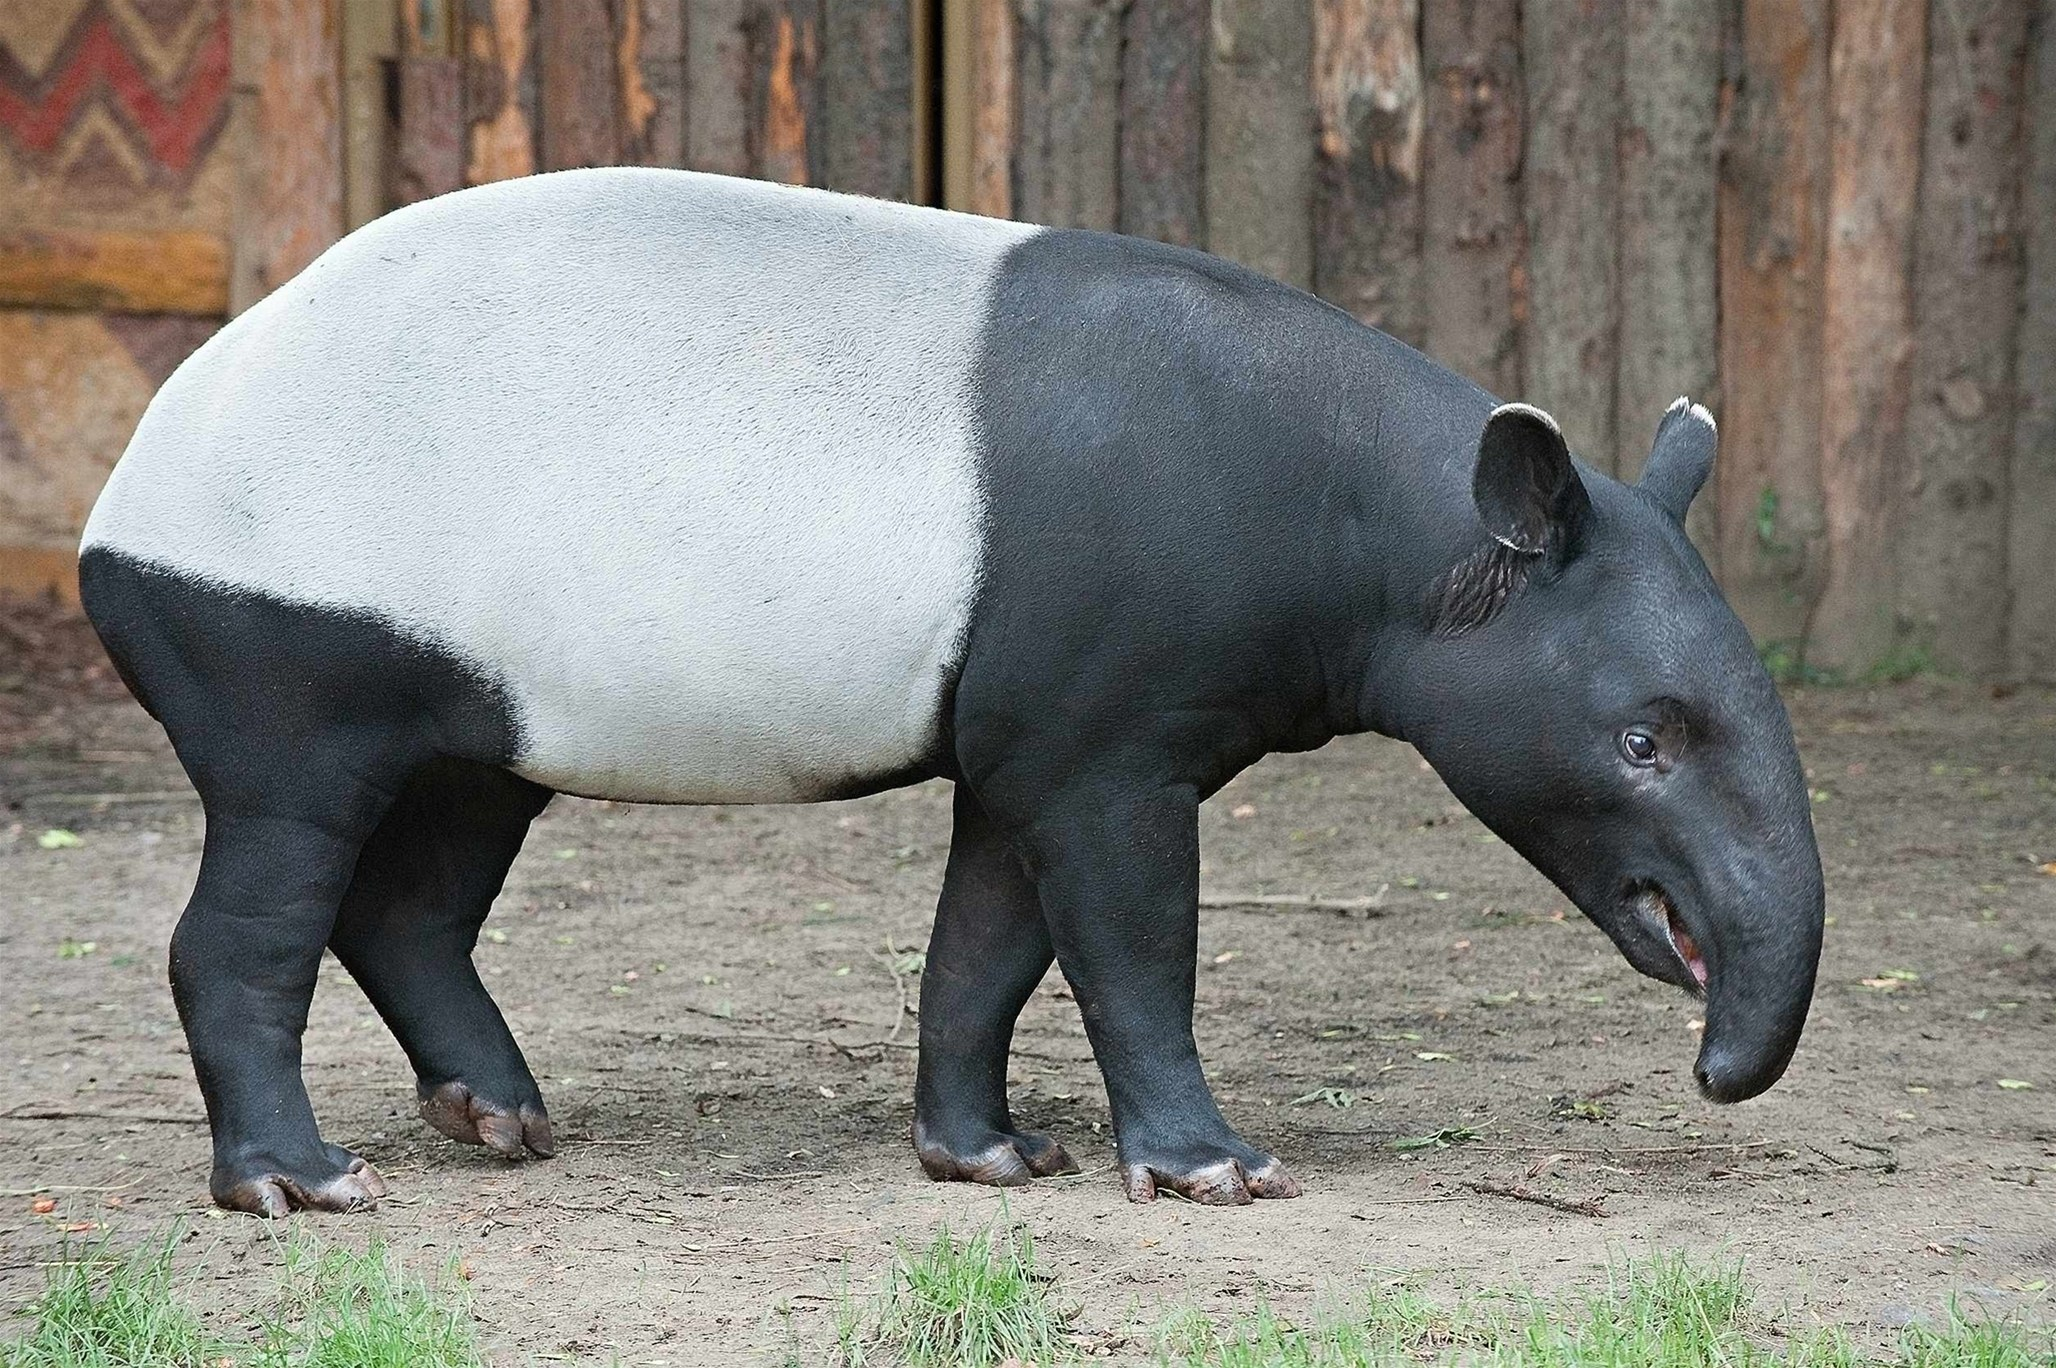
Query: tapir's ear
1682, 457
1527, 491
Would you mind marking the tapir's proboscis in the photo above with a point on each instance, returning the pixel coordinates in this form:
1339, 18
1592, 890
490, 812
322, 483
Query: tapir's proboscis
671, 488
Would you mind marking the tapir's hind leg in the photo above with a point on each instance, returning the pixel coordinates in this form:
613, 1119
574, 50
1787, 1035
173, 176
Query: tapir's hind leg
424, 883
988, 951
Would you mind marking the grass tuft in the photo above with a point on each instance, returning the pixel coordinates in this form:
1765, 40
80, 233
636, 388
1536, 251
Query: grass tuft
972, 1303
343, 1309
103, 1310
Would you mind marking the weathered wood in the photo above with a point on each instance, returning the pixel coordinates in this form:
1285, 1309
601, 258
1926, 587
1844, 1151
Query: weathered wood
1068, 155
1163, 120
428, 149
1967, 273
994, 116
2031, 561
1876, 72
1473, 252
499, 89
1259, 143
114, 272
289, 200
1669, 304
578, 64
1571, 56
867, 97
1370, 125
717, 86
370, 41
1773, 205
785, 63
650, 58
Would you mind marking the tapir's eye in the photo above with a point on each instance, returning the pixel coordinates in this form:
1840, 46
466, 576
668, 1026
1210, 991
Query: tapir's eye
1638, 746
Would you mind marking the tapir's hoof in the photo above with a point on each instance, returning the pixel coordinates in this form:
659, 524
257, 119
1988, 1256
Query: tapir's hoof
513, 1132
997, 1158
1224, 1182
270, 1189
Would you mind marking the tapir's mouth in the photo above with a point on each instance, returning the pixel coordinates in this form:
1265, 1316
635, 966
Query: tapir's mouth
1654, 903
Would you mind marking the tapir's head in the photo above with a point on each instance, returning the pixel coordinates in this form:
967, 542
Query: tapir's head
1587, 692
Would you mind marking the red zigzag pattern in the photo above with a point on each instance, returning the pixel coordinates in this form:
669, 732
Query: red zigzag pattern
177, 126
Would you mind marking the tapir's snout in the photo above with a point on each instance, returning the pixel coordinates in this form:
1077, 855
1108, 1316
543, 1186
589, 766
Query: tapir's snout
1761, 969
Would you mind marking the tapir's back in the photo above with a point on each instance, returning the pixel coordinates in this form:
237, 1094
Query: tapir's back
684, 464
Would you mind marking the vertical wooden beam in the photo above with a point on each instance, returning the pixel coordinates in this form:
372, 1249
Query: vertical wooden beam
785, 63
577, 64
1068, 156
1163, 122
1669, 304
1259, 137
994, 121
2032, 516
1474, 259
650, 62
289, 195
1875, 78
1773, 204
370, 41
428, 153
1571, 58
1370, 126
499, 89
1952, 551
867, 97
717, 85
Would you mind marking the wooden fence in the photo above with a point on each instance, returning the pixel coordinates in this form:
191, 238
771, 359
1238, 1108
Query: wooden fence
1834, 220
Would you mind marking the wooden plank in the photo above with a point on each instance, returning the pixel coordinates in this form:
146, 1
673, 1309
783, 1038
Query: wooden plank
370, 41
1773, 206
1068, 158
650, 62
1669, 302
1162, 122
867, 97
289, 196
1967, 273
785, 58
2032, 513
578, 68
994, 118
1876, 74
1370, 125
1571, 58
114, 272
1473, 251
428, 135
499, 89
717, 86
1259, 138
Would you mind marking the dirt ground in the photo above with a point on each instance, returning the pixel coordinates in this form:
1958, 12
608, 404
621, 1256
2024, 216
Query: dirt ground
710, 999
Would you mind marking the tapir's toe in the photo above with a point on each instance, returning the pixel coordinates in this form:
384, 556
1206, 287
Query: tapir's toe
514, 1131
273, 1190
1223, 1182
997, 1158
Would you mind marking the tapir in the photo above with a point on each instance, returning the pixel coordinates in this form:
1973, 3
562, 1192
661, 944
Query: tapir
671, 488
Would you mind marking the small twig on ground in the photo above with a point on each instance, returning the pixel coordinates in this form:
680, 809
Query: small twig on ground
68, 1114
899, 984
1521, 1192
1297, 902
63, 1187
1617, 1151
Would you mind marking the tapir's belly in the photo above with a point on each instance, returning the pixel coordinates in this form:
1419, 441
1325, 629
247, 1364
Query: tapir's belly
685, 465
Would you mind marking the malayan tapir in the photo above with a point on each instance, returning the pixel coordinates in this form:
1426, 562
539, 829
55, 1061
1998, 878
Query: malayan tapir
672, 488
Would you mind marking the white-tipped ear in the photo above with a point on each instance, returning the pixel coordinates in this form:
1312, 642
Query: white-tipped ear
1681, 457
1527, 492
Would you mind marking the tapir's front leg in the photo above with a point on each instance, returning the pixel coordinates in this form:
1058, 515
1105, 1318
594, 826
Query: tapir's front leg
1118, 868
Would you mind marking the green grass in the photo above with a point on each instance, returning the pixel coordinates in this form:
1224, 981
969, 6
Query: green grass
331, 1308
970, 1303
1666, 1314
